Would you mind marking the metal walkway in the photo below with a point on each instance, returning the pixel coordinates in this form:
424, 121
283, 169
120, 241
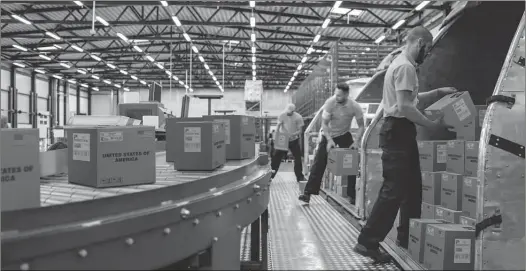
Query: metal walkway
308, 237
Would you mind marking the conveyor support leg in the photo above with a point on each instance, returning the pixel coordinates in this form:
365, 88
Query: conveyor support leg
225, 251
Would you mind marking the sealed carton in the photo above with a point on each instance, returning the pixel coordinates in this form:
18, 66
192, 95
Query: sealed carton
468, 221
240, 135
199, 145
448, 215
111, 156
451, 196
449, 247
428, 210
20, 169
455, 156
433, 155
343, 161
417, 234
457, 108
341, 180
469, 196
431, 187
281, 141
341, 190
170, 136
472, 130
471, 158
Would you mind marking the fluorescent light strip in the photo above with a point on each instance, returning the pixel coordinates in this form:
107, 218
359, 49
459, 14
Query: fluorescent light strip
117, 85
159, 65
95, 88
187, 37
45, 57
380, 39
107, 82
337, 4
20, 19
326, 23
252, 21
72, 81
206, 66
102, 21
57, 76
111, 65
253, 37
124, 38
195, 50
126, 89
168, 72
77, 48
253, 49
317, 38
134, 77
150, 58
164, 3
211, 73
175, 78
65, 65
78, 3
40, 71
142, 82
96, 57
137, 48
84, 85
81, 71
201, 59
20, 47
53, 35
19, 65
95, 77
252, 4
398, 24
123, 72
422, 5
176, 21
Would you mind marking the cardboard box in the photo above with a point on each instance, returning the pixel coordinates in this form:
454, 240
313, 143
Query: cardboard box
468, 221
171, 135
20, 169
417, 234
281, 141
471, 130
111, 156
200, 145
343, 162
471, 158
470, 187
428, 210
448, 215
449, 247
341, 190
451, 196
455, 156
341, 180
457, 108
240, 135
431, 187
433, 155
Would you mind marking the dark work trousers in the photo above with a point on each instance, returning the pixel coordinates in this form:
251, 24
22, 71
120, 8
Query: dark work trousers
402, 186
277, 157
320, 163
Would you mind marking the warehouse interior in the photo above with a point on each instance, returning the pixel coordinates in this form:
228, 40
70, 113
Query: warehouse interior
140, 134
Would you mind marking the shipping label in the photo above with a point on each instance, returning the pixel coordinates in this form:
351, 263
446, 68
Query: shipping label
461, 109
81, 147
192, 139
226, 124
244, 120
439, 212
347, 160
451, 144
420, 144
445, 177
430, 231
470, 146
467, 182
441, 153
462, 251
111, 136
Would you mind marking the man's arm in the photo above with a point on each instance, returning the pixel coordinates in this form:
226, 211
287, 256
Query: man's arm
280, 124
299, 125
325, 120
361, 123
428, 98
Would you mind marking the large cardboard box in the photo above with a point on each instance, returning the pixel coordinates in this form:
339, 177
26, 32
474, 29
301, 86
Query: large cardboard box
281, 141
471, 158
468, 221
449, 247
341, 190
240, 135
457, 108
455, 156
469, 196
200, 145
451, 196
342, 162
341, 180
472, 130
417, 234
171, 135
111, 156
428, 210
433, 155
448, 215
20, 169
431, 187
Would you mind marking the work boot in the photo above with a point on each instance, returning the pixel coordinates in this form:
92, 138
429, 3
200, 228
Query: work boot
375, 254
305, 198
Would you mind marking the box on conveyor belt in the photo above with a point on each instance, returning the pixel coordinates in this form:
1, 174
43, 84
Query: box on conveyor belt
469, 196
428, 210
417, 234
455, 156
281, 141
471, 131
449, 247
240, 135
451, 196
451, 216
111, 156
457, 108
171, 153
342, 161
433, 155
20, 169
341, 190
199, 145
468, 221
431, 187
471, 158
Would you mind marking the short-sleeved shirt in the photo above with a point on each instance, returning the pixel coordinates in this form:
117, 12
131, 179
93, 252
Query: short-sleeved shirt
292, 123
400, 76
341, 115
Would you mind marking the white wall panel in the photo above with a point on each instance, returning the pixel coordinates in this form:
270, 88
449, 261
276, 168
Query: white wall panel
42, 104
23, 105
72, 104
23, 83
101, 104
5, 79
42, 88
83, 93
4, 102
83, 105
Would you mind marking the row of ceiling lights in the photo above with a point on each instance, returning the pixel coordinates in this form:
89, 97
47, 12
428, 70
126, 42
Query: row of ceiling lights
398, 24
253, 39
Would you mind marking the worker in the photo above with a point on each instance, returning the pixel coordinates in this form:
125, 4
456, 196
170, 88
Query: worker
402, 184
337, 115
291, 123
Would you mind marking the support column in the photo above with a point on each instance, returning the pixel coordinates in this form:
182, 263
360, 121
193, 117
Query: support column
89, 101
66, 102
12, 96
225, 252
33, 118
78, 99
52, 108
57, 103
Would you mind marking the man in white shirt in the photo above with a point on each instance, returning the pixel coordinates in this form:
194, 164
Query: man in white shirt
291, 123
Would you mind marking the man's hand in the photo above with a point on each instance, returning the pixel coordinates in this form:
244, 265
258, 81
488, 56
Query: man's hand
355, 145
447, 90
330, 145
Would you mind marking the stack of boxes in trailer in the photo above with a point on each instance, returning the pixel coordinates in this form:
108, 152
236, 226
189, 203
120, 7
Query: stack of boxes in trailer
444, 237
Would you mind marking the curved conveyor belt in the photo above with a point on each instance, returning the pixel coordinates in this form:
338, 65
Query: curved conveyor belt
141, 227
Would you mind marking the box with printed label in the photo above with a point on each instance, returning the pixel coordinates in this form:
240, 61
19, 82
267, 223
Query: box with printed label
471, 159
200, 145
448, 215
457, 108
433, 155
171, 153
471, 131
240, 135
111, 156
455, 156
451, 196
428, 210
449, 247
469, 196
20, 169
281, 141
417, 234
431, 187
468, 221
342, 162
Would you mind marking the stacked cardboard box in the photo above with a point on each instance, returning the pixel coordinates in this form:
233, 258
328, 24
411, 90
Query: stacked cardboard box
240, 135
